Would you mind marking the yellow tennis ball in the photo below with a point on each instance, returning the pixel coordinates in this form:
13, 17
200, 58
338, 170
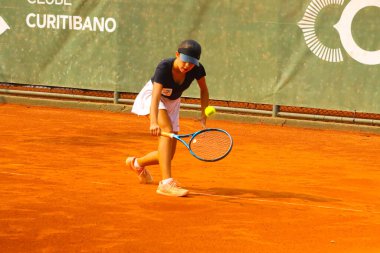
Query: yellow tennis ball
210, 110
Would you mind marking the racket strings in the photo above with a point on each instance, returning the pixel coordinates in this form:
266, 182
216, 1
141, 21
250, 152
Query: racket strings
211, 145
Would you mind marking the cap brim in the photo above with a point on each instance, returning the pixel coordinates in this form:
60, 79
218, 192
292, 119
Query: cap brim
189, 59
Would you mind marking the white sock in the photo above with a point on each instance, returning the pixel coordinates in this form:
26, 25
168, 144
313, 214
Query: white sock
166, 181
136, 164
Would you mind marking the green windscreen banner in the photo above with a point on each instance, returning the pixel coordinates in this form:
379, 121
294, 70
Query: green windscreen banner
309, 53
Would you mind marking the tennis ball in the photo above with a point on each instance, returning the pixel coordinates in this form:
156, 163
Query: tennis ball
210, 110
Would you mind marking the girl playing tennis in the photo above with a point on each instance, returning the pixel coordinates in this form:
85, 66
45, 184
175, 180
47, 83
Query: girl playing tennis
160, 99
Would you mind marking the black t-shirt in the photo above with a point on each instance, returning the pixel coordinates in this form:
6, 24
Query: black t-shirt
171, 89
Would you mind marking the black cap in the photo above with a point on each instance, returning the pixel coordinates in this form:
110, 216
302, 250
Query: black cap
190, 51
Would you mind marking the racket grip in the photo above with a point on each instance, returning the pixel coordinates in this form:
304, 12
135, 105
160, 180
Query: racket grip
170, 135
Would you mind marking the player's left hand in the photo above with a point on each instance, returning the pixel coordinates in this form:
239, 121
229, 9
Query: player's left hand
203, 120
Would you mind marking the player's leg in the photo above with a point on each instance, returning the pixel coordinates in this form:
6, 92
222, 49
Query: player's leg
167, 147
152, 158
166, 150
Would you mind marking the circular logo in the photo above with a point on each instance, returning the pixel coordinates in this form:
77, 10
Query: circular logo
344, 28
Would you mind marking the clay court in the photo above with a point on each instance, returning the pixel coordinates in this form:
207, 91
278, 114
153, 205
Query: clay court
64, 188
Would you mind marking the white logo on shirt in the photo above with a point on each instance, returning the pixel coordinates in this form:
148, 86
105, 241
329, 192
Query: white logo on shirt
167, 92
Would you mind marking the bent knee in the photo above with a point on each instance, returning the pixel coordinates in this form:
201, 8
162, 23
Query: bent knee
167, 129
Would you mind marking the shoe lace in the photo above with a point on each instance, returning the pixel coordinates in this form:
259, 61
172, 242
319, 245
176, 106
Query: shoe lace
142, 171
174, 184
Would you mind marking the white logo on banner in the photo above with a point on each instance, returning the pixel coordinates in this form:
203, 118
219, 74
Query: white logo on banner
307, 24
68, 22
3, 26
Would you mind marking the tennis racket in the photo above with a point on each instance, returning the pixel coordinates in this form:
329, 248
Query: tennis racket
209, 145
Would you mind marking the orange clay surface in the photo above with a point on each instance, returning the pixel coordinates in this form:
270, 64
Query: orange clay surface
64, 188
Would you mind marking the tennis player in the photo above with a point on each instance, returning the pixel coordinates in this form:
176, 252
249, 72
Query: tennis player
160, 99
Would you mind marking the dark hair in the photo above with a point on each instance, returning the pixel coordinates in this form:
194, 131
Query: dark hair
190, 48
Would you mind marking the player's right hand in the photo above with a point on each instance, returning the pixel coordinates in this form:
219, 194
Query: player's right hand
155, 129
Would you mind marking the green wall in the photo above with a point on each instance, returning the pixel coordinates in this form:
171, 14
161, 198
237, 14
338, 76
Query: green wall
254, 51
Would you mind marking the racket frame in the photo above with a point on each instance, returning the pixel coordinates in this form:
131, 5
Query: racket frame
193, 135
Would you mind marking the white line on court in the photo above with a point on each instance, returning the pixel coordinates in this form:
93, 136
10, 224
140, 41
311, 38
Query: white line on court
101, 183
277, 202
13, 173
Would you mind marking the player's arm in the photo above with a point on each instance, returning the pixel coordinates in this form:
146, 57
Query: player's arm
153, 116
204, 98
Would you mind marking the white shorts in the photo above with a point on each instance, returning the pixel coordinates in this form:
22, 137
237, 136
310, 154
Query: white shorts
141, 106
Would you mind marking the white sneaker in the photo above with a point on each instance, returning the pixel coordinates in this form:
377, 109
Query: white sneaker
142, 173
171, 189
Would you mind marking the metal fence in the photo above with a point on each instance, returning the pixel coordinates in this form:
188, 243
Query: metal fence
231, 107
